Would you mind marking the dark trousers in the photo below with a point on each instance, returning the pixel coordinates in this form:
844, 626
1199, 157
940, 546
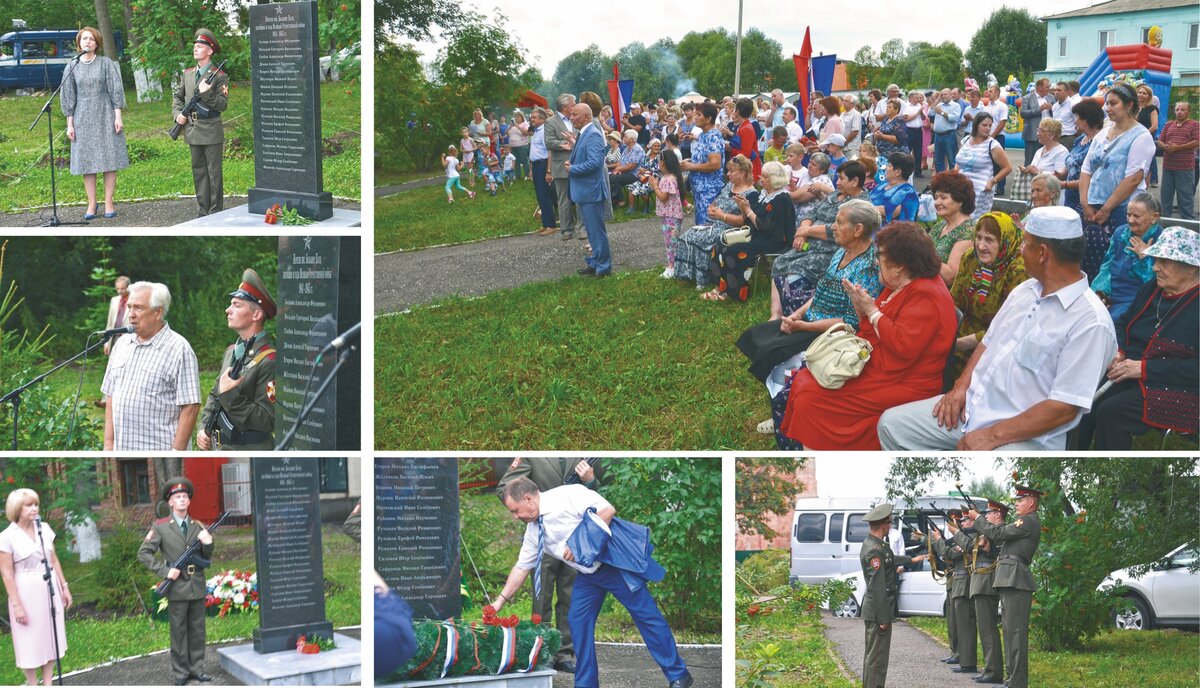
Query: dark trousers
1031, 147
568, 214
1015, 615
1114, 419
590, 591
951, 624
187, 637
945, 148
618, 182
964, 618
915, 137
877, 653
558, 579
207, 176
987, 618
545, 195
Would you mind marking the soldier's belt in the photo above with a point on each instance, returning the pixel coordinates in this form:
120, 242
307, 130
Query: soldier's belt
236, 436
190, 569
1013, 557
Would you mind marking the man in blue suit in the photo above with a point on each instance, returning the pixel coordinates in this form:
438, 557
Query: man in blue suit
589, 188
551, 517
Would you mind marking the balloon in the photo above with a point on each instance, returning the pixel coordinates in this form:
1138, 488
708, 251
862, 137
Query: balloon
1018, 103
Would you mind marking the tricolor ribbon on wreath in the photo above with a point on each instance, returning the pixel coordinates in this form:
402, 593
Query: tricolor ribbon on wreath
451, 646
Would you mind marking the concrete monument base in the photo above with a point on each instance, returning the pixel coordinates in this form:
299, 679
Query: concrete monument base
534, 679
241, 218
338, 667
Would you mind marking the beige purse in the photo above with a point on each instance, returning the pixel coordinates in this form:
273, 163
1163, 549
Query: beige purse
837, 355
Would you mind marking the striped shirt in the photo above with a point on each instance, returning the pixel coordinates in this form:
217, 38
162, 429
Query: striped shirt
147, 382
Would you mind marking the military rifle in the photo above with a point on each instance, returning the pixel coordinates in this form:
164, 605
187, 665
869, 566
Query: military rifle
218, 420
190, 557
194, 103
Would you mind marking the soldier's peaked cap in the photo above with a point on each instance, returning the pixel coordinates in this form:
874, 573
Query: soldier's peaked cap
253, 290
993, 505
175, 485
208, 38
883, 512
1023, 491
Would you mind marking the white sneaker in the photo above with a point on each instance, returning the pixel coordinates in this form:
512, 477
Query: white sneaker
669, 273
767, 427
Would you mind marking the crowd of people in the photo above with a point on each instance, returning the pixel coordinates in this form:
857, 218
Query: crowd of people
1091, 297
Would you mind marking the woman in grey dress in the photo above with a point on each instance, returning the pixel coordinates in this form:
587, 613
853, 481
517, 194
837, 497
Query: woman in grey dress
92, 100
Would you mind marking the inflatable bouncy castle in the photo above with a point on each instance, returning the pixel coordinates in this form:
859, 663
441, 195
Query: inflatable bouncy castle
1146, 63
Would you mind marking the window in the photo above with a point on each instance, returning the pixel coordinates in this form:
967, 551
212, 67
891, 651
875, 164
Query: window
135, 482
810, 528
334, 475
1145, 34
835, 527
1107, 38
1062, 46
857, 529
1193, 36
37, 50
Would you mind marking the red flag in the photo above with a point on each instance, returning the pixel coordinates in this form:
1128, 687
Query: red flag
803, 77
614, 98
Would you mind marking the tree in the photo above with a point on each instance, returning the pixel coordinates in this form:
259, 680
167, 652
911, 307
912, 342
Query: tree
655, 70
862, 71
1098, 515
104, 23
164, 46
583, 70
708, 59
416, 20
1011, 41
484, 60
765, 486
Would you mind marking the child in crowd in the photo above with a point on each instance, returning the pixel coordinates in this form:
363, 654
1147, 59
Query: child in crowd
450, 163
510, 165
495, 177
668, 191
468, 152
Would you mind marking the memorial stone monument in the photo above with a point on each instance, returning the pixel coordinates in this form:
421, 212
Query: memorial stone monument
318, 298
416, 533
284, 58
287, 547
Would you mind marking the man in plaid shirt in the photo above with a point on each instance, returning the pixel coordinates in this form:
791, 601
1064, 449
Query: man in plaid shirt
152, 384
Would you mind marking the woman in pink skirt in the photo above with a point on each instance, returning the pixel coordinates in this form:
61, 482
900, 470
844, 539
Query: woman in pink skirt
22, 567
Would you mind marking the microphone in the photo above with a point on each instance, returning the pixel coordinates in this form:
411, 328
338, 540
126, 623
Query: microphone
37, 521
115, 331
339, 342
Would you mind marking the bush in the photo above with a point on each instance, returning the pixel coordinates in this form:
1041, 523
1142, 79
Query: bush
765, 570
120, 572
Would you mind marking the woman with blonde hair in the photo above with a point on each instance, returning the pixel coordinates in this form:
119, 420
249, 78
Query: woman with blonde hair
24, 553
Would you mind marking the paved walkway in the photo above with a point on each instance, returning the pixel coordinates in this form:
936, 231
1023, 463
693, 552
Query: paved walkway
914, 659
630, 666
163, 213
155, 669
392, 190
412, 278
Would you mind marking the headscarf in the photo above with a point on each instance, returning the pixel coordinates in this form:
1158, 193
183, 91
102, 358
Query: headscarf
983, 277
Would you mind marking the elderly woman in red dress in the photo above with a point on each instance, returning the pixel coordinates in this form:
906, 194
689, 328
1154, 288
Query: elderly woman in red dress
911, 327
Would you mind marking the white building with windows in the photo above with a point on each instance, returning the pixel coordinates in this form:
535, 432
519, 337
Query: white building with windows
1075, 38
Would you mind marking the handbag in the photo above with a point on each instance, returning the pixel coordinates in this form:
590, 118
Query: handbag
837, 355
735, 236
1019, 187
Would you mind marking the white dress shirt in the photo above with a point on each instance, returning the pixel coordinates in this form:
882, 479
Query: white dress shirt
1062, 113
1038, 348
562, 510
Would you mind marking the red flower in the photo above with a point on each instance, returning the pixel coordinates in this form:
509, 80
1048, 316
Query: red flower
170, 33
11, 480
536, 619
489, 610
343, 8
754, 609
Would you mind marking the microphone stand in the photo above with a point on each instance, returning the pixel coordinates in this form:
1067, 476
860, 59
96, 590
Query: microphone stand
54, 221
15, 396
53, 612
343, 356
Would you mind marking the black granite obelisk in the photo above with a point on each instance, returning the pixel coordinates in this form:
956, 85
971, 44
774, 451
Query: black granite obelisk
287, 547
284, 58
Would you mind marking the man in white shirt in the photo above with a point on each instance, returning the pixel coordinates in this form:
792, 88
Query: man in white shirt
914, 122
1061, 111
1034, 374
795, 131
551, 517
775, 119
852, 125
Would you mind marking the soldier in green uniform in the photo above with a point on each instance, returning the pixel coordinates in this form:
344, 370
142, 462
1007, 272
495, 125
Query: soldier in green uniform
879, 602
164, 543
240, 412
1013, 579
941, 549
961, 606
984, 596
549, 473
203, 130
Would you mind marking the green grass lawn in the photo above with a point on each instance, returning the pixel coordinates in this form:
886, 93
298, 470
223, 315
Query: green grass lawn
1148, 659
420, 218
629, 362
805, 657
388, 176
159, 167
96, 638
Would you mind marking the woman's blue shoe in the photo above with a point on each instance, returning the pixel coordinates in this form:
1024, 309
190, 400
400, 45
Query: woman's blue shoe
110, 215
89, 216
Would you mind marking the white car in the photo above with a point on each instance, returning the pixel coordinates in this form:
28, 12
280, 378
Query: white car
1167, 595
329, 71
919, 594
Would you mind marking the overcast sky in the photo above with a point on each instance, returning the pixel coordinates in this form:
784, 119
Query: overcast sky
550, 32
862, 475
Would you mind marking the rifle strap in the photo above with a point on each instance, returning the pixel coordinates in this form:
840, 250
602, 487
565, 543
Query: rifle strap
266, 351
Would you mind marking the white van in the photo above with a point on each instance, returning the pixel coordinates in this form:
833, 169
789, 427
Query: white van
828, 532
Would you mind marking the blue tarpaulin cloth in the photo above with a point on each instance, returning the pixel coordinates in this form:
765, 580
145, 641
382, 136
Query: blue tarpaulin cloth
624, 545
